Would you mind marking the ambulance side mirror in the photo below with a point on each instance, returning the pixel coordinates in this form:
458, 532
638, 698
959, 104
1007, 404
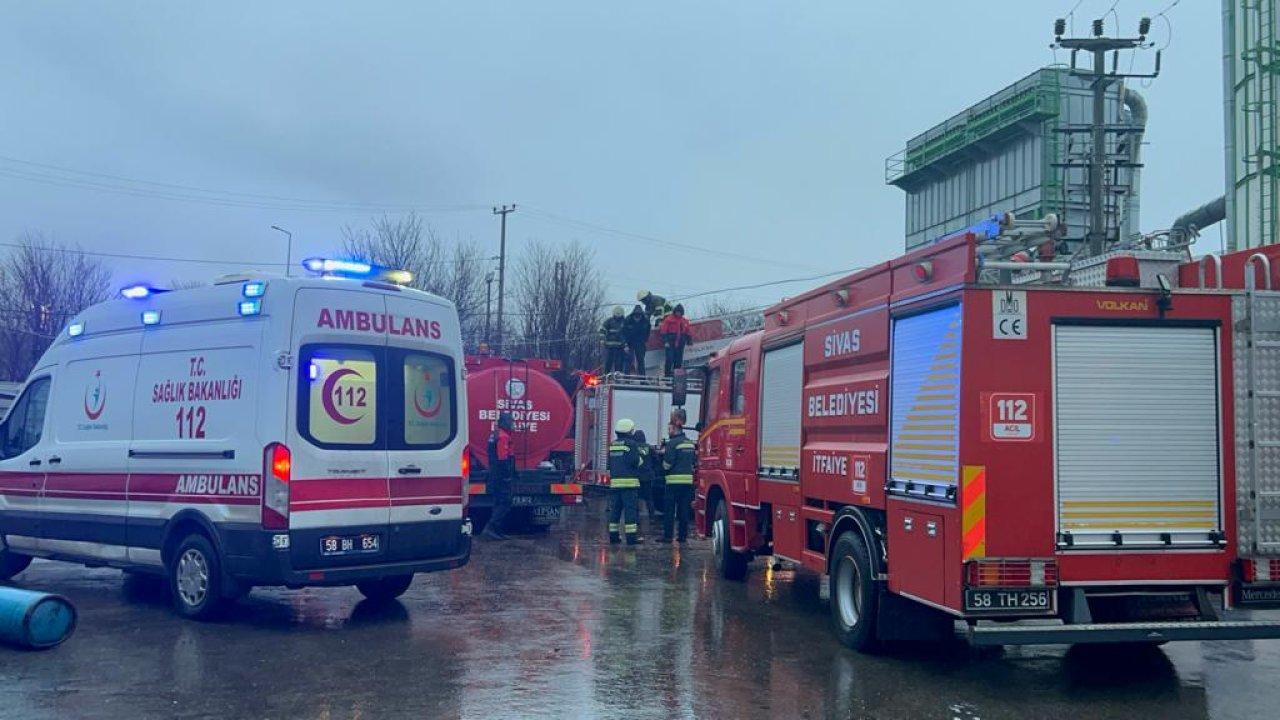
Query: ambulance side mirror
679, 387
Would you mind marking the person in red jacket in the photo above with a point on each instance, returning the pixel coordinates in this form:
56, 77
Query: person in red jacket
502, 472
676, 332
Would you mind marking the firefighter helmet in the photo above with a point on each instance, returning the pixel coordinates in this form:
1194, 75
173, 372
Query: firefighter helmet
617, 311
624, 426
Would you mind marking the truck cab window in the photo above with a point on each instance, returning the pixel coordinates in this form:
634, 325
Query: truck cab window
23, 426
738, 394
709, 407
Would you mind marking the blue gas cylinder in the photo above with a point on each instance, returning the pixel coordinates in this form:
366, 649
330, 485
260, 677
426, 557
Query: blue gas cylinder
33, 619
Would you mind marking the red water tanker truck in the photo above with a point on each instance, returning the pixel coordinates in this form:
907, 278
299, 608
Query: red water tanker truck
543, 416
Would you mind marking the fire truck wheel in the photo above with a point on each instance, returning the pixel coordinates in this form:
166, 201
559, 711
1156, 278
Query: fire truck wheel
853, 593
195, 578
385, 589
12, 563
732, 565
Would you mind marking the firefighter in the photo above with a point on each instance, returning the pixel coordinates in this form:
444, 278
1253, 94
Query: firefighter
679, 456
648, 474
611, 336
502, 471
636, 332
676, 333
624, 484
656, 306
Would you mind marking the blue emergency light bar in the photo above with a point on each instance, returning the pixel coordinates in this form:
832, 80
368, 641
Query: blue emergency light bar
329, 267
984, 230
135, 292
75, 329
150, 317
250, 307
254, 289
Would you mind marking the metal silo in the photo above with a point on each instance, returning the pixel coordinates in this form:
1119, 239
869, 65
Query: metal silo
1025, 150
1251, 60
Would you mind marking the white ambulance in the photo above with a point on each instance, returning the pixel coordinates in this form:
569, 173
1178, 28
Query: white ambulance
259, 431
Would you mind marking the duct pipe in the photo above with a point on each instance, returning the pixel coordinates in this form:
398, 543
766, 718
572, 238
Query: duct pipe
1189, 224
1137, 107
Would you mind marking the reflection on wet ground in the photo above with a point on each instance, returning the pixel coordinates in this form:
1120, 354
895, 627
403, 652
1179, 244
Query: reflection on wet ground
568, 626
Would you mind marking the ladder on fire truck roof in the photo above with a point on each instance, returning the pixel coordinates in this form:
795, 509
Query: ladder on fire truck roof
650, 382
1257, 345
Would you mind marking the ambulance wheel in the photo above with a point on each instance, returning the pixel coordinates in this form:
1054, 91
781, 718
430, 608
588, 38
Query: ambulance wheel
11, 563
731, 564
385, 589
195, 578
854, 599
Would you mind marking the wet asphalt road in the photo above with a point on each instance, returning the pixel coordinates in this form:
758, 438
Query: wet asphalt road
566, 626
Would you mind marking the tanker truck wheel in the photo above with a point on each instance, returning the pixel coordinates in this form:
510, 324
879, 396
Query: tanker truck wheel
732, 565
854, 599
12, 563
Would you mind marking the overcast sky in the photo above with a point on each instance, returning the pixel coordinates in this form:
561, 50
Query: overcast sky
755, 129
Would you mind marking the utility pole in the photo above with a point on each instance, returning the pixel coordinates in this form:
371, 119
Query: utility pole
488, 300
1099, 45
503, 210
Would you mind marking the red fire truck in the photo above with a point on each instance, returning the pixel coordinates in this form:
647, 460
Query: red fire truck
543, 416
1091, 448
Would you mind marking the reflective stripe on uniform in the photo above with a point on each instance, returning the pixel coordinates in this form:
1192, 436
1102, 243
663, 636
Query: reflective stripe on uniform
624, 483
679, 479
632, 528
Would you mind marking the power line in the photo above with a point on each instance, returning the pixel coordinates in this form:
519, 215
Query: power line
136, 187
770, 283
583, 224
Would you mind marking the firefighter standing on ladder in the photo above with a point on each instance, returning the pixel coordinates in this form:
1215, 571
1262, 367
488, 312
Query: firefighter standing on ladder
676, 332
624, 484
611, 336
679, 455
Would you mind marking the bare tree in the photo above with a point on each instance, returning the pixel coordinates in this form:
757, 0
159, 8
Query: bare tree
451, 269
736, 316
42, 285
558, 294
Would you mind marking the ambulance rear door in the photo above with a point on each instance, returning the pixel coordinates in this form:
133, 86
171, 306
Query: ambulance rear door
338, 437
425, 411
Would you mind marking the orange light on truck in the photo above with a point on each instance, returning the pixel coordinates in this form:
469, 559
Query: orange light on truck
1011, 573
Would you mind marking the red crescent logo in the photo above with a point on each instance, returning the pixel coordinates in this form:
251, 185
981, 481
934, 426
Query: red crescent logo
430, 412
326, 392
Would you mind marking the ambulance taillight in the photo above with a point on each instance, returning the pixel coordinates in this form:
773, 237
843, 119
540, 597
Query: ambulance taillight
278, 464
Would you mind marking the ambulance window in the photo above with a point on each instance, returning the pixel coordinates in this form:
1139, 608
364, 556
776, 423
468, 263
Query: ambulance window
427, 386
739, 394
338, 396
23, 427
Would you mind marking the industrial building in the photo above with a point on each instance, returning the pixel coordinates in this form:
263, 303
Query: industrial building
1024, 150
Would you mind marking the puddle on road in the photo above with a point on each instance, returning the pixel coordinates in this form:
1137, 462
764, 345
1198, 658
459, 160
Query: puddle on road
568, 626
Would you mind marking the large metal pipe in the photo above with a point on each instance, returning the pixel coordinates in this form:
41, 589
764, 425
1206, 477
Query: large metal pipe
1137, 107
1189, 224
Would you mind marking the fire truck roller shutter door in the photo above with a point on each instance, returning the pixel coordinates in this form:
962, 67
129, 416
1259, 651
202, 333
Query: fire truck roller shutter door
780, 406
925, 404
1137, 435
